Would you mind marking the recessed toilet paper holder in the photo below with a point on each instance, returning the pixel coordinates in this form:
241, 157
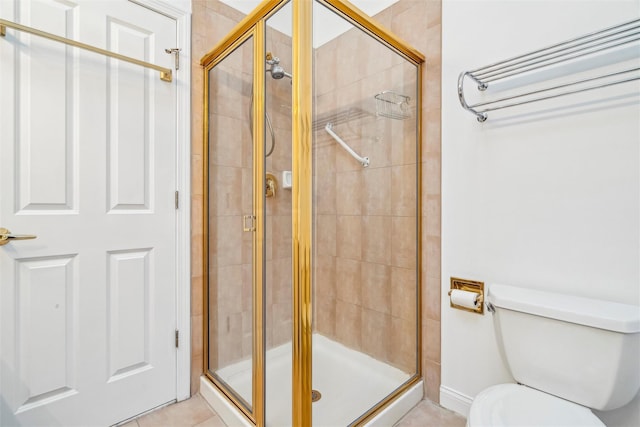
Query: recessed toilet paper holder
472, 303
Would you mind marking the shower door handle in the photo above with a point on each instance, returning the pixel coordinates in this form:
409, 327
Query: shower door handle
249, 223
6, 236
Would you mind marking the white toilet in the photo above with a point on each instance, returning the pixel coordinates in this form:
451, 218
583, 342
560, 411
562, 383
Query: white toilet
568, 354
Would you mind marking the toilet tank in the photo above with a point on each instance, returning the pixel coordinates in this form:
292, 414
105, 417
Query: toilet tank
580, 349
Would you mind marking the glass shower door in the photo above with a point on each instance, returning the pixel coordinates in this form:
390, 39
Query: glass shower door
231, 224
366, 162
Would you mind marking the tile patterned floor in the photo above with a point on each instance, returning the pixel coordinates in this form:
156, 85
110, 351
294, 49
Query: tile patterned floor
428, 414
195, 412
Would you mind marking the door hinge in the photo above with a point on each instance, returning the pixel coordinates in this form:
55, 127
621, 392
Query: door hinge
175, 51
177, 199
177, 338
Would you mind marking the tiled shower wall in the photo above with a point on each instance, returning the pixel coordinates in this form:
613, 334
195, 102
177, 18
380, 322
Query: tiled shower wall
365, 252
419, 23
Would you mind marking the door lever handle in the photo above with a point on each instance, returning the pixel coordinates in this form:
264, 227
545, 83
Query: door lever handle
6, 236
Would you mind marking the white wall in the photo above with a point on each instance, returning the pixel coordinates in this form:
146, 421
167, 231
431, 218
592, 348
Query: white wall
549, 200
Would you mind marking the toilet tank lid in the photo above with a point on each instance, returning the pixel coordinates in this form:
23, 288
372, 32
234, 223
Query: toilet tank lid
612, 316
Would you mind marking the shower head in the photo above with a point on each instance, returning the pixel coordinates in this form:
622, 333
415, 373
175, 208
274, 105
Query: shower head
276, 70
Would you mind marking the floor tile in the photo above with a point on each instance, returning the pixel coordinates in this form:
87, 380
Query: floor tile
195, 412
214, 421
429, 414
187, 413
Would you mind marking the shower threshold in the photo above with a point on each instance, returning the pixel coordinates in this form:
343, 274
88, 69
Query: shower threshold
350, 382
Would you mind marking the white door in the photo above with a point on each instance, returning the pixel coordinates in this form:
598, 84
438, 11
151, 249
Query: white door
87, 163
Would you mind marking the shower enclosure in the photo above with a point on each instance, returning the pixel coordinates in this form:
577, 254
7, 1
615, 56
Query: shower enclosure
312, 215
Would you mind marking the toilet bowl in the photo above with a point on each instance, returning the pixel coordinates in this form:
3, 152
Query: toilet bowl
568, 355
518, 405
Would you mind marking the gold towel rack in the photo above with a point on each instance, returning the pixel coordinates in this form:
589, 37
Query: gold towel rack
165, 73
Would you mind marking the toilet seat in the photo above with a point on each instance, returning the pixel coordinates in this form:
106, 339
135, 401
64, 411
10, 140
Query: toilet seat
518, 405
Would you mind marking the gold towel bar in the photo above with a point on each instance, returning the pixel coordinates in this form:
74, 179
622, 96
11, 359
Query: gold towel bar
165, 73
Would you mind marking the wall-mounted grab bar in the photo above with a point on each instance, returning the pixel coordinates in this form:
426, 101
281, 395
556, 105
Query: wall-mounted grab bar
165, 73
589, 44
364, 161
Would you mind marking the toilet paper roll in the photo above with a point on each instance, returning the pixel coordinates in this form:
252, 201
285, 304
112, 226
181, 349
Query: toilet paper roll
464, 298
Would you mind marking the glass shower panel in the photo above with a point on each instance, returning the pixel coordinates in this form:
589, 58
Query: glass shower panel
230, 223
365, 252
278, 218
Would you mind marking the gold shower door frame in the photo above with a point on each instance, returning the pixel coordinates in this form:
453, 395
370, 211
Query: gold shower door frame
256, 33
253, 26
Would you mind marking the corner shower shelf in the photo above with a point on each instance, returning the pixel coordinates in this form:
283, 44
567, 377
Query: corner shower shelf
553, 57
392, 105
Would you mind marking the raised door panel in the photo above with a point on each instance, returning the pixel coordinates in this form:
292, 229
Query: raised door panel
46, 135
130, 116
128, 311
46, 292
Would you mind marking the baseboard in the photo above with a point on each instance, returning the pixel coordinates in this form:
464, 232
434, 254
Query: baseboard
455, 401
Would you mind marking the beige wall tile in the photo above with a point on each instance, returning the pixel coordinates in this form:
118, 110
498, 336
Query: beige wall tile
403, 293
228, 342
402, 346
247, 287
325, 193
431, 171
196, 372
349, 237
404, 147
197, 186
377, 239
325, 317
349, 285
431, 306
196, 295
282, 280
404, 194
376, 333
403, 244
229, 287
281, 313
431, 219
432, 380
225, 190
431, 258
325, 278
196, 343
377, 191
281, 240
348, 192
325, 235
376, 287
226, 240
432, 340
348, 324
196, 256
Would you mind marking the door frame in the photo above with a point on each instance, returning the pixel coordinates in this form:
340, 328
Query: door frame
180, 11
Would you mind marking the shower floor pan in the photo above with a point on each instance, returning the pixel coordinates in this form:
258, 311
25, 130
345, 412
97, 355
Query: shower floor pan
350, 383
